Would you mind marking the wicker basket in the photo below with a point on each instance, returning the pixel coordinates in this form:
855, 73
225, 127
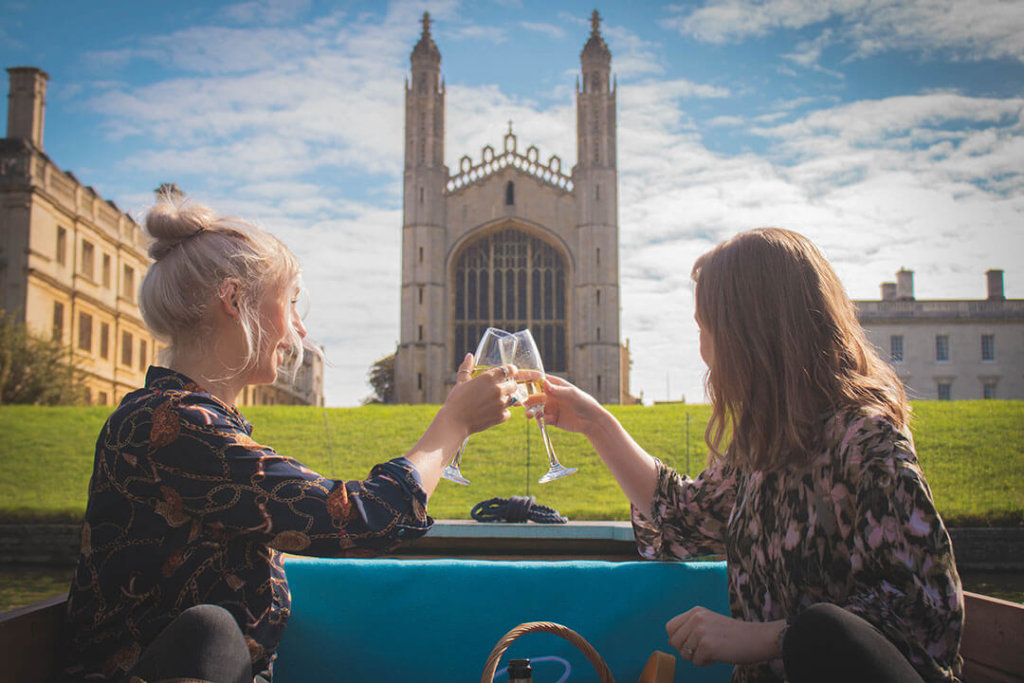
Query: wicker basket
576, 639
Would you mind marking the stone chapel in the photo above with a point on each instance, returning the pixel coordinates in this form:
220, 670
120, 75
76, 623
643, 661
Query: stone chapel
511, 241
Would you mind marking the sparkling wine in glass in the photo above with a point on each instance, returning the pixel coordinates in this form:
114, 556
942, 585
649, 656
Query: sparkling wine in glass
527, 357
494, 350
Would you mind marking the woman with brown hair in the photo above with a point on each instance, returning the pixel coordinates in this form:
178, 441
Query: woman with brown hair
839, 566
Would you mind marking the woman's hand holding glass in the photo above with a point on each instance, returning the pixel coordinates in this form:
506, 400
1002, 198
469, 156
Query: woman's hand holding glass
565, 406
526, 356
492, 354
481, 400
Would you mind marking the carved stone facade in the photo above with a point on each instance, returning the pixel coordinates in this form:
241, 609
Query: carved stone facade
510, 240
71, 263
949, 349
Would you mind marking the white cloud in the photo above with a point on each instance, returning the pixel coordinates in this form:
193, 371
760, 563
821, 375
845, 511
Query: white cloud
975, 30
550, 30
265, 11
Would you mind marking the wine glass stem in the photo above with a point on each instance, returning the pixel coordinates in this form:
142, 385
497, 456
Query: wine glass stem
552, 460
457, 460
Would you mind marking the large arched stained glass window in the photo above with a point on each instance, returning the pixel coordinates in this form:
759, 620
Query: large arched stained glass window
512, 280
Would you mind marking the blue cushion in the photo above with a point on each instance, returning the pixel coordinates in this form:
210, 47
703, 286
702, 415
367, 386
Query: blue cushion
437, 620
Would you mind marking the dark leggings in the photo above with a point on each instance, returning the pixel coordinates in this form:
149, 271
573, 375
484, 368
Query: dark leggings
829, 643
202, 642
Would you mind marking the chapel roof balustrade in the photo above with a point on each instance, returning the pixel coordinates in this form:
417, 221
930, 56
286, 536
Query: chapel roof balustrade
550, 173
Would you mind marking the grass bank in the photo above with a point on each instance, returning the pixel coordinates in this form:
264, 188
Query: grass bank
972, 453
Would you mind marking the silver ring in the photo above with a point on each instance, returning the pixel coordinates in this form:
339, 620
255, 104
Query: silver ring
464, 371
688, 652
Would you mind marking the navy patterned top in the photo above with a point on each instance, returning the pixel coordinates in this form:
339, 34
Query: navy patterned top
856, 528
185, 509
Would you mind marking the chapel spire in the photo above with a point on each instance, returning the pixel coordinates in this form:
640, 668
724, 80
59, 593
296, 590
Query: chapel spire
426, 50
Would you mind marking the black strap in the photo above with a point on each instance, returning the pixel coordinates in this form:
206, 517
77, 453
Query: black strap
516, 509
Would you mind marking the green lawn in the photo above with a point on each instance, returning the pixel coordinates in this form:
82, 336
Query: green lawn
972, 453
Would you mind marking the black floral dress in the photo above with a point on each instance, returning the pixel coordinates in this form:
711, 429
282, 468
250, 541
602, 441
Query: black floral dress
186, 509
856, 528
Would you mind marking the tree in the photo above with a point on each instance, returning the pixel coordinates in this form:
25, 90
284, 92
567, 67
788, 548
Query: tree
382, 379
34, 370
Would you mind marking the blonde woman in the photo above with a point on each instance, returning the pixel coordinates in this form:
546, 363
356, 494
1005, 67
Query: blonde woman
839, 566
181, 573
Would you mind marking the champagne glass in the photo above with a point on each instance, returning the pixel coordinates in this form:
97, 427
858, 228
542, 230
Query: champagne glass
526, 357
493, 351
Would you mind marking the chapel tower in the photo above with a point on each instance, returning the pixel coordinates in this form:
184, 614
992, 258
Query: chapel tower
510, 241
421, 369
596, 317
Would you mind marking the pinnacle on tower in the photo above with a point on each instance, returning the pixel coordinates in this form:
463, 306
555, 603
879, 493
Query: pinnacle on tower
426, 48
596, 47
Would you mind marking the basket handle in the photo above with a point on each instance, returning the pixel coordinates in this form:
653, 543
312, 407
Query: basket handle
565, 632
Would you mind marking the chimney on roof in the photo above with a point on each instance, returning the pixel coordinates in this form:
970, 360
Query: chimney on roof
995, 285
888, 291
905, 285
26, 104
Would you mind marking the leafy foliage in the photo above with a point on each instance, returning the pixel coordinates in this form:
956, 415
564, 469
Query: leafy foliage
382, 379
34, 370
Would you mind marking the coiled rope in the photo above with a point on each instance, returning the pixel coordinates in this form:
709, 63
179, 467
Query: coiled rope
516, 509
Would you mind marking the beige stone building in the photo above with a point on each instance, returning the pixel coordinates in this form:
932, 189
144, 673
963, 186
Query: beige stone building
511, 240
950, 349
71, 263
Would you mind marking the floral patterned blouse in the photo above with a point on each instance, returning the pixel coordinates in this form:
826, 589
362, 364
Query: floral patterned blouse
857, 528
185, 508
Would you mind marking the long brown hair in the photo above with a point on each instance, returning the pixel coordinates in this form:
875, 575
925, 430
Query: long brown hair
787, 350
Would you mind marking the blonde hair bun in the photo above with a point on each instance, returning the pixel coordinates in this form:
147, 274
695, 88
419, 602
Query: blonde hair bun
170, 222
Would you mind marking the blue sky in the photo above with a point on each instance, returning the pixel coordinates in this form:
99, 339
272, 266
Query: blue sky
891, 132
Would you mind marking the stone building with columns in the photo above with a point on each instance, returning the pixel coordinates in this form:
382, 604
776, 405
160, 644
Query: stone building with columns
511, 240
71, 264
953, 349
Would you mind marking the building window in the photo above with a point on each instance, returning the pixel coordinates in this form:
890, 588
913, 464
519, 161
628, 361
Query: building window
421, 254
599, 256
104, 341
126, 349
85, 332
419, 333
599, 334
597, 192
128, 283
896, 348
106, 271
58, 321
62, 246
599, 383
942, 347
510, 194
101, 398
988, 347
88, 259
421, 294
419, 381
421, 195
142, 354
599, 297
945, 391
512, 280
988, 390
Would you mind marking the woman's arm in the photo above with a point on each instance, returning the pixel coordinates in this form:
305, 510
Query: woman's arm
472, 406
571, 409
673, 516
